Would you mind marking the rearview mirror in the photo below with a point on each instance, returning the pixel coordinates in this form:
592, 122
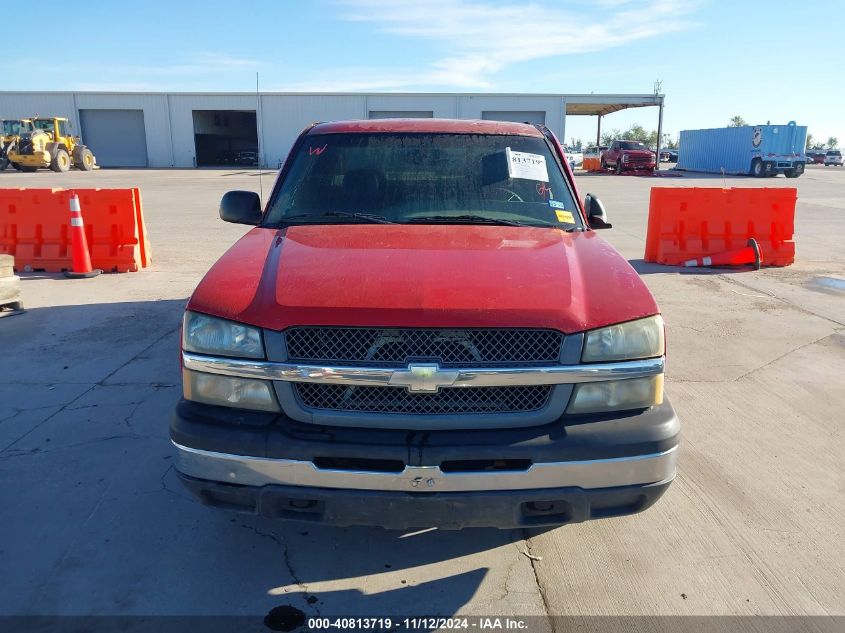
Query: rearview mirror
241, 207
596, 215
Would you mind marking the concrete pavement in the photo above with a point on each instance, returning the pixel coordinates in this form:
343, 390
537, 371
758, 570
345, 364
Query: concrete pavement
95, 522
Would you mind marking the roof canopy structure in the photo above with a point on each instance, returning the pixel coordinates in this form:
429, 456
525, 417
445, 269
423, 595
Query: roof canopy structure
601, 105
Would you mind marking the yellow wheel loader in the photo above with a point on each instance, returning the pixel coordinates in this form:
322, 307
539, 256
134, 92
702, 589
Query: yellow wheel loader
46, 142
9, 132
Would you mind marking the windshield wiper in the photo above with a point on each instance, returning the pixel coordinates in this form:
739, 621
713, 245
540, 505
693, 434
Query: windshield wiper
474, 219
367, 217
371, 217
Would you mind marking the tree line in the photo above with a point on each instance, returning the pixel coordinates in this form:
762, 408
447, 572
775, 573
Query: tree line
634, 133
812, 143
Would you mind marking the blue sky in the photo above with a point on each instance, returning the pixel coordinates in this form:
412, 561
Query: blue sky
716, 58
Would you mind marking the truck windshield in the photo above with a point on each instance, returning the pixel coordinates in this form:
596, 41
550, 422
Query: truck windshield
632, 145
424, 178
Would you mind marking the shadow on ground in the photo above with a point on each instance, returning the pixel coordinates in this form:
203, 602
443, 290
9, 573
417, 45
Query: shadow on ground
95, 521
647, 268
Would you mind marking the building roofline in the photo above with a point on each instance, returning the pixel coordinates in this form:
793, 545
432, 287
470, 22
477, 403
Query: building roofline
585, 96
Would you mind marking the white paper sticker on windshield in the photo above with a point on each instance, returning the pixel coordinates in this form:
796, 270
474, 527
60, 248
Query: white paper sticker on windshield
526, 165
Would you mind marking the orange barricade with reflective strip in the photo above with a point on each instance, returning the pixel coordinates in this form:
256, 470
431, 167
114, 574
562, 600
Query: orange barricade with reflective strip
690, 222
35, 228
592, 164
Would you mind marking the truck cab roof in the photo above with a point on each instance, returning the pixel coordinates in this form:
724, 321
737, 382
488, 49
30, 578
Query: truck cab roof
442, 126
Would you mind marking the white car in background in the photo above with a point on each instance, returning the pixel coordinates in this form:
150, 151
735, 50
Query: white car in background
833, 157
573, 157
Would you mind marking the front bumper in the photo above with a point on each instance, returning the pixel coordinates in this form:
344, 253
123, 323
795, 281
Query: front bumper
451, 510
594, 466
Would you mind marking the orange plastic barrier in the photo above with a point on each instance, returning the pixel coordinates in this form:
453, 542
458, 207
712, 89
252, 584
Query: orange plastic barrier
35, 228
592, 164
691, 222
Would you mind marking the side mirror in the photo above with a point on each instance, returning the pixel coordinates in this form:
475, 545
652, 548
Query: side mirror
241, 207
596, 215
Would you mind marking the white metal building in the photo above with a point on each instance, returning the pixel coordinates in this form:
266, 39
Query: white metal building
196, 129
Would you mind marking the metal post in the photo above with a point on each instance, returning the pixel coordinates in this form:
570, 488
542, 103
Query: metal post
659, 135
170, 130
598, 134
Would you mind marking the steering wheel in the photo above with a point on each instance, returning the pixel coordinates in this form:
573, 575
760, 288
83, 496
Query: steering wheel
513, 195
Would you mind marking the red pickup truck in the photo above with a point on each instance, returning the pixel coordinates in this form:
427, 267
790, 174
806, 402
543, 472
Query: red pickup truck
627, 156
424, 328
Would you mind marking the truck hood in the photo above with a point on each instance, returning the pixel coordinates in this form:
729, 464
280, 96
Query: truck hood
423, 276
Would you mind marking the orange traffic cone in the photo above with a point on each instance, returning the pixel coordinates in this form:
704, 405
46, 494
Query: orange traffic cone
79, 244
738, 257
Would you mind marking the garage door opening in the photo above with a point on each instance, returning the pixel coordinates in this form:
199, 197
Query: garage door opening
224, 138
118, 138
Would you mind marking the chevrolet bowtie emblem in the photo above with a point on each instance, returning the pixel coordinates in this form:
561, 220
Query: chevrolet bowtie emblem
423, 378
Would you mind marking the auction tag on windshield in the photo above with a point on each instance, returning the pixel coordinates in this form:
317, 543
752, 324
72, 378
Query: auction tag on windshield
564, 216
557, 204
526, 165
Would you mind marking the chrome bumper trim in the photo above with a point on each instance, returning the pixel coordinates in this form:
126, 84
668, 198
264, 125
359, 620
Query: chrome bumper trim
458, 377
588, 474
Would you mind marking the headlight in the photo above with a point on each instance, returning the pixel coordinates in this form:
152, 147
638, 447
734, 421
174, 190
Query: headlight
209, 335
227, 391
643, 338
624, 158
617, 395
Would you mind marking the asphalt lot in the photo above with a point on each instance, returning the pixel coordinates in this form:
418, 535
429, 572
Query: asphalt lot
94, 522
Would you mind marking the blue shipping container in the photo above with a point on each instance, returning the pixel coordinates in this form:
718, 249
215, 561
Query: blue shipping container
759, 150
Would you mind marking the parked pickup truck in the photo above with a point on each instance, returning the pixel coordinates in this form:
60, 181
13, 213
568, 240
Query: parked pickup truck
627, 156
424, 328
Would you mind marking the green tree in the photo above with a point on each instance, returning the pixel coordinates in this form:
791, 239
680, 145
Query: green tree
832, 142
637, 133
809, 141
737, 121
608, 137
576, 144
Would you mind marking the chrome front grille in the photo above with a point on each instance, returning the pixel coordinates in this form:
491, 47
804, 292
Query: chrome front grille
386, 347
398, 400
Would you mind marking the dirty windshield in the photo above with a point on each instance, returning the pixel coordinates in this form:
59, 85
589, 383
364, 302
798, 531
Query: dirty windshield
424, 178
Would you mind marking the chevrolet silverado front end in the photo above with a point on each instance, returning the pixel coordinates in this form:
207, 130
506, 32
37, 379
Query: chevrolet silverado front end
424, 329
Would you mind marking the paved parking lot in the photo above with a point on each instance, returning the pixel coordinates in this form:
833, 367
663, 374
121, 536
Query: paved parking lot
95, 522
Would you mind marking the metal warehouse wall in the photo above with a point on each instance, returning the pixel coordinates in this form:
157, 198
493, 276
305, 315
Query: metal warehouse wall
284, 116
168, 118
